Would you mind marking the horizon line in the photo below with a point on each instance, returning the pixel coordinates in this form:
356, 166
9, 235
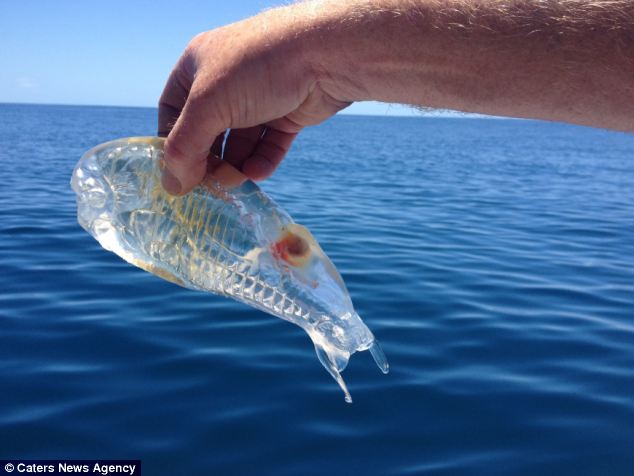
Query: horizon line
424, 114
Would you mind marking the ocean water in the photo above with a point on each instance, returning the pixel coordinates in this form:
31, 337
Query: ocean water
493, 259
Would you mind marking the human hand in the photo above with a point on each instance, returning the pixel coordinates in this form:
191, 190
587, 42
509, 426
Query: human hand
260, 79
267, 77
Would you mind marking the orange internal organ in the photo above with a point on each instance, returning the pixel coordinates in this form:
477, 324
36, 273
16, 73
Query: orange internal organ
292, 249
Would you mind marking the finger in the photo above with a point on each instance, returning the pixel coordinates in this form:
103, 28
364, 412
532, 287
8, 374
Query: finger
241, 144
268, 154
221, 171
172, 100
285, 124
190, 141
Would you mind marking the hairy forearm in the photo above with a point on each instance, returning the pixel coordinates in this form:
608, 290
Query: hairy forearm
267, 77
568, 60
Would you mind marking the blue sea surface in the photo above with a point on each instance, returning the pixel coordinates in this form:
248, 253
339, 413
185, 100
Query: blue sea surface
493, 259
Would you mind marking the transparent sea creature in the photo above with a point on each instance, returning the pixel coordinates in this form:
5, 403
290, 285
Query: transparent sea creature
234, 242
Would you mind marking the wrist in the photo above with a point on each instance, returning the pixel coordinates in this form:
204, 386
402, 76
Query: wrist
355, 48
331, 42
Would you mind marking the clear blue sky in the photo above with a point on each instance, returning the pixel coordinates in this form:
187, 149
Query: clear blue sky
109, 52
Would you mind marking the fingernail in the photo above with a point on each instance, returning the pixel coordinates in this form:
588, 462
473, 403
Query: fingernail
171, 183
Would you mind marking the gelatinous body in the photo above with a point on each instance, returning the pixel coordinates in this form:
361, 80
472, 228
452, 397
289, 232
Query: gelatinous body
234, 242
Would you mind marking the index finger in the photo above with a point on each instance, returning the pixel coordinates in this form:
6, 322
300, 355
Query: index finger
192, 137
173, 99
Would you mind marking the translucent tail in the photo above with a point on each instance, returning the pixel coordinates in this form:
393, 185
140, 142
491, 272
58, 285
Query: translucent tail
333, 369
379, 356
336, 361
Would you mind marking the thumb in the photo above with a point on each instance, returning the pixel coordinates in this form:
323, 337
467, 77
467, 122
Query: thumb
188, 144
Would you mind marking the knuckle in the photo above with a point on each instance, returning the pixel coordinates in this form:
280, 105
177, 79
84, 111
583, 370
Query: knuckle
181, 161
174, 154
195, 42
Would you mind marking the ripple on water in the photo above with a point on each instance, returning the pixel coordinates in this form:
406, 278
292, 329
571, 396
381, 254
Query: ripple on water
492, 259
